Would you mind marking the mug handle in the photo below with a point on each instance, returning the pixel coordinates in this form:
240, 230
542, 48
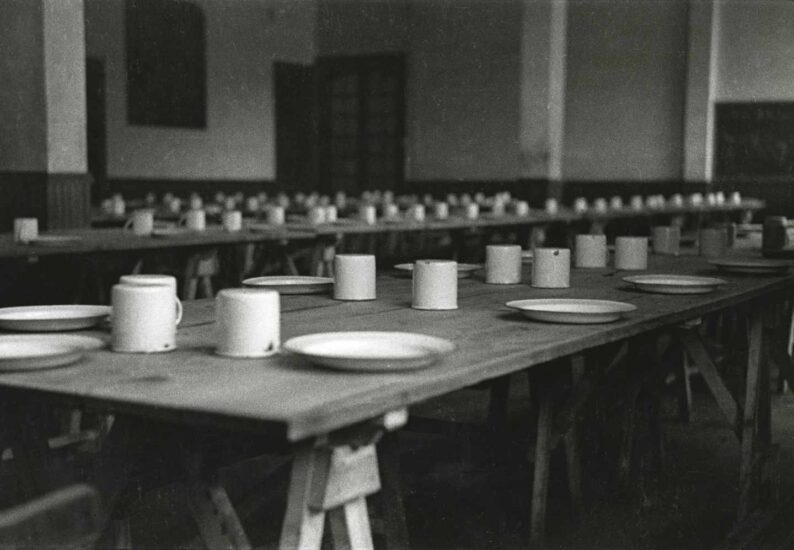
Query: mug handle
128, 224
178, 311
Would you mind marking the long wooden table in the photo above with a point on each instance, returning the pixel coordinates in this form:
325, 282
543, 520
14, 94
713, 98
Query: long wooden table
316, 409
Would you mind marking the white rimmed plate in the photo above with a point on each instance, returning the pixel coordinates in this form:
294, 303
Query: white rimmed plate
751, 266
674, 284
16, 355
52, 318
78, 341
55, 240
464, 270
370, 351
288, 284
572, 311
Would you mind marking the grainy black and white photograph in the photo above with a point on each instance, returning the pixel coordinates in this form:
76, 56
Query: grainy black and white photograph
396, 274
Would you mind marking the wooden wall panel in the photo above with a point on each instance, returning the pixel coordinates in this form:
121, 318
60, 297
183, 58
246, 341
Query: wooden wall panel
59, 201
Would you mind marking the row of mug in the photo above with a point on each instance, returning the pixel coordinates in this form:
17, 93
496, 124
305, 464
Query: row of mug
146, 313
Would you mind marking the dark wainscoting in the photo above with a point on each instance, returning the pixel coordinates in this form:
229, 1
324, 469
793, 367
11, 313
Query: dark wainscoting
138, 188
59, 201
531, 190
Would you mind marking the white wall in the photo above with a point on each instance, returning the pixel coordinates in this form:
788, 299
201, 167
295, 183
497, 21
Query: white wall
463, 90
243, 38
624, 105
756, 51
23, 136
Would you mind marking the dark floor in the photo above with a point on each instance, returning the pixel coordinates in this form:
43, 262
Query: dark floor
458, 496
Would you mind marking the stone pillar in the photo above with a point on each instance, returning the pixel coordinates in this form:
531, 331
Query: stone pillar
702, 75
543, 71
43, 167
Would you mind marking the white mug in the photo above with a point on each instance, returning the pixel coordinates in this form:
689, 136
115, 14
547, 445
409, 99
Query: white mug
229, 203
667, 240
195, 202
580, 205
175, 205
616, 202
441, 210
391, 211
503, 264
316, 215
119, 206
600, 204
713, 242
551, 206
522, 208
354, 277
631, 253
331, 213
232, 220
551, 268
252, 204
637, 203
248, 322
498, 209
141, 223
26, 230
472, 211
195, 220
143, 318
367, 214
677, 200
591, 251
736, 198
435, 285
155, 280
417, 212
275, 215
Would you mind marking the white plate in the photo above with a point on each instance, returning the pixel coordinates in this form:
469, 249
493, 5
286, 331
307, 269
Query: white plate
77, 341
18, 355
674, 284
370, 351
55, 240
52, 318
564, 310
751, 266
288, 284
464, 270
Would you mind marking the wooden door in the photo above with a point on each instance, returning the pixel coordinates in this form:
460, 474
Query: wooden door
362, 122
296, 126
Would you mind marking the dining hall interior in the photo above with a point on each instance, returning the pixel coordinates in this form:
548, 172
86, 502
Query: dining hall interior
396, 274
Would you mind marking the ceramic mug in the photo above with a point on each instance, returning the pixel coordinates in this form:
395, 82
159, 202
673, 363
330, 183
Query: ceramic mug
155, 280
498, 209
591, 251
667, 240
636, 202
600, 204
391, 211
316, 215
26, 230
195, 203
195, 220
354, 277
435, 285
551, 268
713, 242
580, 205
331, 213
503, 264
252, 204
417, 212
616, 202
551, 206
232, 220
631, 253
248, 322
144, 318
275, 215
441, 210
522, 208
472, 211
367, 214
141, 223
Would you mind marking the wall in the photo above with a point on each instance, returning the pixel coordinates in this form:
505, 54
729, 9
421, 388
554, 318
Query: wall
244, 37
464, 90
756, 52
356, 27
624, 107
23, 138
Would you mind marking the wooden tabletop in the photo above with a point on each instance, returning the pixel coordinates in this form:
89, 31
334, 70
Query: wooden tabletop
92, 241
299, 400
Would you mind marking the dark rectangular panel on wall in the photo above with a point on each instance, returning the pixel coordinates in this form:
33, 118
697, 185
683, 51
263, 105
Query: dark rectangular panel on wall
754, 140
166, 63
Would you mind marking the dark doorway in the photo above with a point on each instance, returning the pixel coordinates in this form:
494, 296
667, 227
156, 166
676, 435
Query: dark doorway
95, 127
296, 126
362, 122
